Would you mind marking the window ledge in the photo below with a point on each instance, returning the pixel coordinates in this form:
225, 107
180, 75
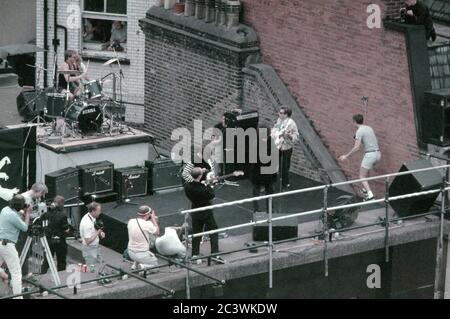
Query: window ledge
103, 56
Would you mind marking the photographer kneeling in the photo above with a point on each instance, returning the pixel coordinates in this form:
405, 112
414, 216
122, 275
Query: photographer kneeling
56, 233
139, 231
13, 219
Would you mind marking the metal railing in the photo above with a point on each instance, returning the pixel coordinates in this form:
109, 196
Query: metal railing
325, 231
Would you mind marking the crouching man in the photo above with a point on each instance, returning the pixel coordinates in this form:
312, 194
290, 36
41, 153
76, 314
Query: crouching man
140, 230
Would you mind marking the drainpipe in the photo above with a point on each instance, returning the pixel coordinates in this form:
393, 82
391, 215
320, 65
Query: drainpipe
65, 35
45, 41
55, 27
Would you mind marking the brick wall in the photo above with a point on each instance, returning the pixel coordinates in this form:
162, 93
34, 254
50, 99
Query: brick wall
133, 83
189, 78
328, 58
392, 7
255, 98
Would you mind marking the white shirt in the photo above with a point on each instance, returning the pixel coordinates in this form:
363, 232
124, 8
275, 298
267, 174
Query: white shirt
37, 208
288, 126
87, 229
27, 197
136, 239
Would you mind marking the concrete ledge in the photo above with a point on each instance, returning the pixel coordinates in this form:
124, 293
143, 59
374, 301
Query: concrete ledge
287, 255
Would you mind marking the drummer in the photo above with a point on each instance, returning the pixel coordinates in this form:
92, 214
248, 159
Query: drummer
80, 66
68, 83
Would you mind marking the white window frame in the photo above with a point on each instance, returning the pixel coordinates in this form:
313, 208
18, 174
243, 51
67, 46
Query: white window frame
101, 54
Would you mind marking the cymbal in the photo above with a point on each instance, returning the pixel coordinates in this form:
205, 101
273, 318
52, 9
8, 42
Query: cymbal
110, 61
69, 72
36, 67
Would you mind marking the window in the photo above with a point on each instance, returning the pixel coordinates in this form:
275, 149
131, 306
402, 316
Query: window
104, 26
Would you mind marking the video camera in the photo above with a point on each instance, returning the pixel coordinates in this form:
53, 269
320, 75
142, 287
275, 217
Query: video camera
403, 12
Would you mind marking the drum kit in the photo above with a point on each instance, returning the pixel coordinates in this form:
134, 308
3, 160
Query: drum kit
86, 113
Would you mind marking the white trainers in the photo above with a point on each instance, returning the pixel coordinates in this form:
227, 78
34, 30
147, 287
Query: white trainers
197, 261
368, 195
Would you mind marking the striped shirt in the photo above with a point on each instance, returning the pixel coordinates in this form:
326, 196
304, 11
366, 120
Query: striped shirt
189, 166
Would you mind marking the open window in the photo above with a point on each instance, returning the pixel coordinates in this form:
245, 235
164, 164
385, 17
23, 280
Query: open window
104, 24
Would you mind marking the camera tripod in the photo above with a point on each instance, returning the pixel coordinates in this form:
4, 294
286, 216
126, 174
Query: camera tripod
48, 255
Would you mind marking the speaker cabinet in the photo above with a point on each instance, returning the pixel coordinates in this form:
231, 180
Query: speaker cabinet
64, 182
343, 218
164, 174
282, 229
96, 178
131, 181
30, 104
436, 117
413, 183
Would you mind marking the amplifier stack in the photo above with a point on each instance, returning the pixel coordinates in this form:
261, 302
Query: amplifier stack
131, 181
96, 178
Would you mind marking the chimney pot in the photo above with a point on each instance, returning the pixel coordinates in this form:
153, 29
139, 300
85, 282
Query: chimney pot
223, 17
199, 9
233, 8
189, 8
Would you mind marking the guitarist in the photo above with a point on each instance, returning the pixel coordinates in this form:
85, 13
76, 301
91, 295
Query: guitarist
285, 135
205, 164
202, 195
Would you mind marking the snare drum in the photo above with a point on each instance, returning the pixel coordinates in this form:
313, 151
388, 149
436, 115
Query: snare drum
89, 117
56, 104
93, 89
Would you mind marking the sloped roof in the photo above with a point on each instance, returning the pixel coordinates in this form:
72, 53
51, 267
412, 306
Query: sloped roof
439, 9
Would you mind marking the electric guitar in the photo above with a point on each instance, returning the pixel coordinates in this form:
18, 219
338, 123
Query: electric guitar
279, 137
211, 178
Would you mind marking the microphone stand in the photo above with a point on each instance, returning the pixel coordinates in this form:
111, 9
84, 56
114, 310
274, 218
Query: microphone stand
126, 200
121, 78
365, 100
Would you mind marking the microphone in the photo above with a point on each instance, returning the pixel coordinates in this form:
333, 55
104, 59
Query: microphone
365, 98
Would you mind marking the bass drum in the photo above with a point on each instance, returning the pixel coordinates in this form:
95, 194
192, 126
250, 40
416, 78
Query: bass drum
89, 117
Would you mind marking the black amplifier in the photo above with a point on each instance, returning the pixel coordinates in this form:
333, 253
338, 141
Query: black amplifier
96, 178
64, 182
248, 119
163, 174
131, 181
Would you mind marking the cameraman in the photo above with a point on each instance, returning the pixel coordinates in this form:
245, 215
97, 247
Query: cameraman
33, 201
56, 233
91, 234
418, 13
11, 224
34, 195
